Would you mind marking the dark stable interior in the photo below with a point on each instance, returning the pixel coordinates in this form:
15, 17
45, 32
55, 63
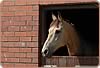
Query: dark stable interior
85, 20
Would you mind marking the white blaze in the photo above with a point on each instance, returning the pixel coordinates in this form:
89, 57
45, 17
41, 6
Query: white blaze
49, 38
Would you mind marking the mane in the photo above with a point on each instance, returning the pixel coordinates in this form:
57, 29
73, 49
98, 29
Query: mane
72, 36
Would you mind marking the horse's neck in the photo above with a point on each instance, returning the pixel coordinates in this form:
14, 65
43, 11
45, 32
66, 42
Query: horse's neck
71, 38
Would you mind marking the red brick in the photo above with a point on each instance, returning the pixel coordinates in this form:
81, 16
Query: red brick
34, 38
35, 60
4, 38
8, 14
32, 55
22, 44
3, 59
20, 13
19, 23
24, 8
9, 55
25, 38
8, 33
8, 65
17, 18
22, 18
1, 34
36, 17
8, 0
3, 9
36, 22
20, 65
20, 8
29, 23
13, 28
20, 55
26, 28
20, 2
6, 18
13, 39
36, 28
4, 44
5, 23
20, 34
29, 8
46, 2
4, 28
25, 50
2, 54
12, 60
12, 8
35, 50
9, 60
26, 18
33, 33
28, 60
35, 7
13, 23
32, 2
50, 1
13, 50
8, 3
4, 49
13, 44
32, 13
32, 44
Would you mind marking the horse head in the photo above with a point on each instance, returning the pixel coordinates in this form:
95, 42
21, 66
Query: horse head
61, 33
55, 36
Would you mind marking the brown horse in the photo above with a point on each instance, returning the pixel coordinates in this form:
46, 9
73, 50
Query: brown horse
61, 33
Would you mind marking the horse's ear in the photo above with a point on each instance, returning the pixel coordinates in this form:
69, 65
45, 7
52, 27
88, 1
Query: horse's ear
54, 17
59, 16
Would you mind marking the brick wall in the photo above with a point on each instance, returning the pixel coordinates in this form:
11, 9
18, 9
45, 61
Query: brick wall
19, 31
19, 46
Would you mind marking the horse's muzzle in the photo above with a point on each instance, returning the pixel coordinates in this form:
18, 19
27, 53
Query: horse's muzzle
45, 52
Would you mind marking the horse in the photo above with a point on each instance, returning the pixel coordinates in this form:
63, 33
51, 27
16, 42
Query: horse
61, 33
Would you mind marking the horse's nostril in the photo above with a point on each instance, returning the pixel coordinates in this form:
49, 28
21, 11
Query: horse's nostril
46, 51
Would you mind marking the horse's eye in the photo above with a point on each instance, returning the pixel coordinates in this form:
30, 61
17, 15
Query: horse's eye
58, 31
